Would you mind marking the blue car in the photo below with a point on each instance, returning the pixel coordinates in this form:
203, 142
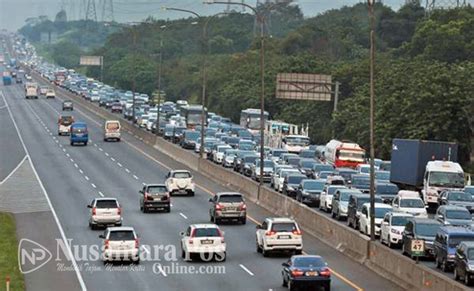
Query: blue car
79, 133
445, 243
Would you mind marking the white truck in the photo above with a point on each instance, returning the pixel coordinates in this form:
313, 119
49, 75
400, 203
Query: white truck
31, 90
439, 176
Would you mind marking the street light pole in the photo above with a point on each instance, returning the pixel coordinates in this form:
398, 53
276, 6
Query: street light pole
160, 64
134, 74
371, 4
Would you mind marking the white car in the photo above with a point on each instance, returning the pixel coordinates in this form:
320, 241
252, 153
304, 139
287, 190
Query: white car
363, 169
180, 181
279, 234
409, 202
393, 225
218, 155
276, 173
364, 220
104, 212
50, 94
120, 244
325, 198
278, 181
205, 240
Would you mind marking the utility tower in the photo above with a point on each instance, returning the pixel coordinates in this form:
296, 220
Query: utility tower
107, 10
412, 2
444, 4
91, 13
229, 9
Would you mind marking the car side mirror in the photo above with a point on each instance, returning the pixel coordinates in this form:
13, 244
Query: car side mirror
101, 236
440, 216
258, 226
181, 233
210, 199
286, 265
89, 206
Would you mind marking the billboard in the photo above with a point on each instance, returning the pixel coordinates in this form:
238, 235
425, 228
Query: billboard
90, 61
297, 86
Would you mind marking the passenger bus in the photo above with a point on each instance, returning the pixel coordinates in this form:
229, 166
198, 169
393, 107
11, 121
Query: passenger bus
250, 119
193, 115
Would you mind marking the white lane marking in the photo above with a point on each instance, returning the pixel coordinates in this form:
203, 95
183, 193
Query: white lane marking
246, 270
75, 165
101, 194
64, 150
95, 145
135, 177
50, 133
67, 155
183, 216
145, 250
143, 183
100, 149
72, 161
61, 231
107, 154
80, 171
87, 178
162, 271
119, 164
93, 185
14, 170
127, 170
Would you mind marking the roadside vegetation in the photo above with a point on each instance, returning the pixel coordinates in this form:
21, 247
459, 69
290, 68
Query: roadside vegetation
424, 69
9, 254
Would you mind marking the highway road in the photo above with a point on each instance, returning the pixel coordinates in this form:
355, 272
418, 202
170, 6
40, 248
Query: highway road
73, 176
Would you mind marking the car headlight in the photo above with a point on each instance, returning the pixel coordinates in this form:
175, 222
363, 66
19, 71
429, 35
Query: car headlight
290, 188
344, 208
471, 267
451, 256
395, 231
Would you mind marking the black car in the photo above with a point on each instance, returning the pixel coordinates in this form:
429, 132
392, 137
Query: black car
420, 228
116, 107
309, 192
155, 197
306, 271
67, 105
463, 262
386, 190
361, 182
189, 139
178, 134
247, 162
305, 166
291, 183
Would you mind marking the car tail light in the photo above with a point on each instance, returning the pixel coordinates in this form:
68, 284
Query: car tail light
94, 211
325, 272
243, 206
119, 211
297, 273
270, 233
147, 197
106, 244
136, 243
219, 206
296, 232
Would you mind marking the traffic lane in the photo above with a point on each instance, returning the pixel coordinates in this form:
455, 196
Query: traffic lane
353, 265
12, 152
140, 217
68, 193
257, 265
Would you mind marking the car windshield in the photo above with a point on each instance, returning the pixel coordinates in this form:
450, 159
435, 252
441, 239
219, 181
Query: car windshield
231, 198
444, 179
206, 232
322, 167
427, 229
361, 201
331, 190
325, 174
387, 189
459, 196
122, 235
314, 185
295, 179
112, 125
156, 189
456, 239
192, 135
293, 161
470, 254
66, 120
469, 190
365, 170
250, 159
266, 164
308, 154
182, 175
277, 153
381, 211
382, 175
360, 181
308, 262
399, 220
284, 227
458, 214
78, 129
345, 196
412, 203
308, 164
297, 140
246, 146
106, 204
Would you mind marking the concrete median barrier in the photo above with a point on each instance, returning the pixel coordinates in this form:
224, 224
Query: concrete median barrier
404, 271
179, 154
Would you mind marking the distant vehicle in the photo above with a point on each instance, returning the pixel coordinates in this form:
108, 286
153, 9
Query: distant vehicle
356, 201
392, 228
321, 167
382, 176
50, 93
155, 197
189, 139
105, 212
31, 90
120, 244
205, 240
325, 198
116, 107
386, 190
64, 124
79, 133
306, 271
295, 143
445, 243
470, 190
429, 166
180, 181
361, 182
420, 228
193, 115
67, 105
344, 154
463, 260
340, 202
228, 206
291, 183
409, 202
454, 215
279, 234
250, 119
7, 79
364, 221
309, 192
112, 130
43, 90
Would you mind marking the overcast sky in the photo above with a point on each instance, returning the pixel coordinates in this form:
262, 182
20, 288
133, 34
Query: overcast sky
14, 12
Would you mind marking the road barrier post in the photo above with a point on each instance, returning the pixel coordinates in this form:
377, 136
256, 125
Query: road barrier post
7, 282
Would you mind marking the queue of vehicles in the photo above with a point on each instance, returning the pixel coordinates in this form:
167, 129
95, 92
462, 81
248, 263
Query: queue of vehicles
332, 177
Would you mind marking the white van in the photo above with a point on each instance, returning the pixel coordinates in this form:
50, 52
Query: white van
112, 130
409, 202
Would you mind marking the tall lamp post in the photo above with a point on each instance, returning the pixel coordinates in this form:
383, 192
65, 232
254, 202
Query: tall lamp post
261, 21
371, 4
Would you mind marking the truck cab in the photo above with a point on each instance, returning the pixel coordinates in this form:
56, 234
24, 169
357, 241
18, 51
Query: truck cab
440, 176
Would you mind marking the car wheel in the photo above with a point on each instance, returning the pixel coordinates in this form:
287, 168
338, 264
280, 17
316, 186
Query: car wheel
437, 263
333, 214
183, 254
259, 249
145, 209
284, 283
456, 275
467, 280
168, 209
389, 243
327, 287
216, 220
244, 220
191, 193
298, 252
72, 143
444, 266
264, 252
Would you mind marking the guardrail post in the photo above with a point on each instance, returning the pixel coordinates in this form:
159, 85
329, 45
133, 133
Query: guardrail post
7, 282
